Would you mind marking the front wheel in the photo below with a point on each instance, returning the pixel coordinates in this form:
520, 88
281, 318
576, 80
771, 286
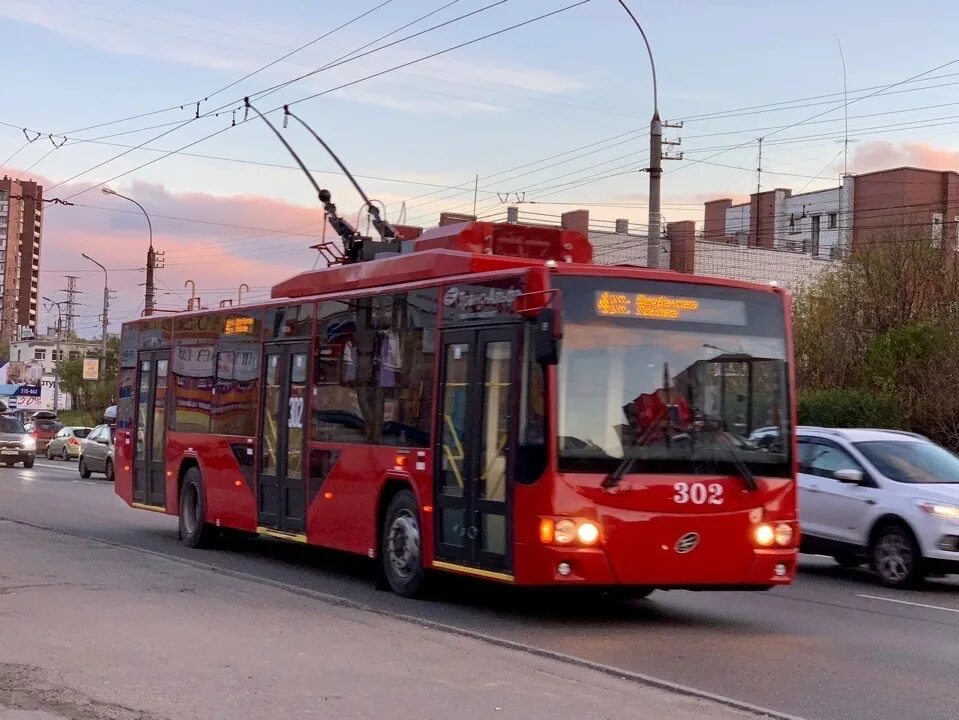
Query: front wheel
194, 532
108, 471
401, 550
896, 557
83, 469
28, 463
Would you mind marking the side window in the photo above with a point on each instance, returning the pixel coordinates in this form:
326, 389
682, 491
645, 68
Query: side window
825, 461
94, 434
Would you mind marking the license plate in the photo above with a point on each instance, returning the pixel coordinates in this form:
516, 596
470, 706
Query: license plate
10, 452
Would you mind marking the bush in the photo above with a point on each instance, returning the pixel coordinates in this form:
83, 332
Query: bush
848, 408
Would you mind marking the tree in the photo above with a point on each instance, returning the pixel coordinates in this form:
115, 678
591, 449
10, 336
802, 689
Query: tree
886, 323
94, 396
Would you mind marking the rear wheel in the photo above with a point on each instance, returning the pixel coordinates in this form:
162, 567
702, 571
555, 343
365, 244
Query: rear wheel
401, 550
194, 532
108, 470
82, 468
896, 557
65, 455
28, 463
47, 453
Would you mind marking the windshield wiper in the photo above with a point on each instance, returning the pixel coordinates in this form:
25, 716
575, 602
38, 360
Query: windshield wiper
614, 478
735, 458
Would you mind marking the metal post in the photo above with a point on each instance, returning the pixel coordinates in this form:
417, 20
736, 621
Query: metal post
106, 311
655, 181
150, 293
56, 356
655, 157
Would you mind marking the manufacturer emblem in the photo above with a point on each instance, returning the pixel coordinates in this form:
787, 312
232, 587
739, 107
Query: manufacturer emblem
687, 543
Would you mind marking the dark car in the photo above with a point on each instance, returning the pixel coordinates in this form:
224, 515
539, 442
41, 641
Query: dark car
96, 452
16, 444
43, 430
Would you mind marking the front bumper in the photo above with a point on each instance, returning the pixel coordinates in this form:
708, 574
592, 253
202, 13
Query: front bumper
16, 455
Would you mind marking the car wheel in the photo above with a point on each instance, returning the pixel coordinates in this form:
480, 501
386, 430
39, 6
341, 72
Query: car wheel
82, 467
47, 453
194, 531
65, 456
401, 548
108, 470
896, 557
28, 463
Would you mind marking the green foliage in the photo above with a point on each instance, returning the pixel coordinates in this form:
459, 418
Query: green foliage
877, 339
848, 408
92, 396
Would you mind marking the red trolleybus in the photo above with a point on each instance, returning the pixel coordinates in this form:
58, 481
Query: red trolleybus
485, 401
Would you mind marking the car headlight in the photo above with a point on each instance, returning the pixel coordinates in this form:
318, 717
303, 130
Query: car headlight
28, 443
939, 510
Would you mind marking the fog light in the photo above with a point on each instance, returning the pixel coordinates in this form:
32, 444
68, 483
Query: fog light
780, 570
587, 533
764, 535
949, 543
564, 569
564, 532
784, 534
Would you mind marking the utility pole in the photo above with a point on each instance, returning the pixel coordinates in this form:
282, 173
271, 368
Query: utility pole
149, 297
71, 303
759, 169
106, 315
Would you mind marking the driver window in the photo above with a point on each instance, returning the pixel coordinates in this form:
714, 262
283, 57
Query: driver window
825, 460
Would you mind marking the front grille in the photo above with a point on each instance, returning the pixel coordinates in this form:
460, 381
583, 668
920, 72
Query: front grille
9, 444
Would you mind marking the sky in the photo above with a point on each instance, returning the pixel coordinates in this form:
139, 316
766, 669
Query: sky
553, 114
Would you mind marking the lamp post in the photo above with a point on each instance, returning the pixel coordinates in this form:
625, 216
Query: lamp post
148, 299
655, 157
106, 309
56, 359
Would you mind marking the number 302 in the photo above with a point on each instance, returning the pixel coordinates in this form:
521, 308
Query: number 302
698, 493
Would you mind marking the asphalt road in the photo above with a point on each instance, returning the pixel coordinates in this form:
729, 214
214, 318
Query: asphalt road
834, 646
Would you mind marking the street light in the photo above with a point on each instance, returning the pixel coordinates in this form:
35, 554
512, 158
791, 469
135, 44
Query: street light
151, 254
106, 308
655, 157
56, 359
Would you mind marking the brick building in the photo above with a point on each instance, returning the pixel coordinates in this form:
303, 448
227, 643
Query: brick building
21, 227
827, 223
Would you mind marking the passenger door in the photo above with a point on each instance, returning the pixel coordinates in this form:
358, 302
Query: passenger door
92, 450
829, 508
281, 488
149, 465
475, 448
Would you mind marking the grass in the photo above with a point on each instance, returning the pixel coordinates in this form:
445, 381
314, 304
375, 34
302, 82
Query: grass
81, 418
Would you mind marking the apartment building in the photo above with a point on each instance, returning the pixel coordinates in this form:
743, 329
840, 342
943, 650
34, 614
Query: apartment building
21, 229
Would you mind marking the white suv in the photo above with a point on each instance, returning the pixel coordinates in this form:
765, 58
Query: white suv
883, 496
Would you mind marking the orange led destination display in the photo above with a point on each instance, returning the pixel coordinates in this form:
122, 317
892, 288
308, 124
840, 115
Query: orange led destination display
650, 306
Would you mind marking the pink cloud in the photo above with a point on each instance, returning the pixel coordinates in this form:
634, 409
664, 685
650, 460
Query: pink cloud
248, 247
880, 155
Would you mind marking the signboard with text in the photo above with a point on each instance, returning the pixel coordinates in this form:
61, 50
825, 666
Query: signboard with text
91, 368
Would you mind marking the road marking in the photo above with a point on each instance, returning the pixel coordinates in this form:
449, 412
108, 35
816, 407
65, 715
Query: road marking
914, 604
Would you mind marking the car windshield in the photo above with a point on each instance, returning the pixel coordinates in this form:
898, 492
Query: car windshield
913, 461
673, 375
81, 432
11, 425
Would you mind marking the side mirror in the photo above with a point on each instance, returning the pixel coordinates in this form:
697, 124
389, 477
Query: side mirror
546, 337
851, 477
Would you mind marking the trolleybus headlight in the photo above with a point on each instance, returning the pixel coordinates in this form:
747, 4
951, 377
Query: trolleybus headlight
587, 533
564, 532
784, 534
764, 535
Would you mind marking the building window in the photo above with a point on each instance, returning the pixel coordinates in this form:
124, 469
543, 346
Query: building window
39, 354
832, 220
815, 235
937, 229
74, 354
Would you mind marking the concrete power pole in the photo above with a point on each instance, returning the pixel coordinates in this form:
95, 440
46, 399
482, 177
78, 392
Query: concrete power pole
655, 181
70, 315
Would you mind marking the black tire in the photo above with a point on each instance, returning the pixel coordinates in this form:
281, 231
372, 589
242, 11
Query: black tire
65, 456
895, 557
108, 470
848, 560
194, 531
83, 469
28, 463
401, 548
47, 453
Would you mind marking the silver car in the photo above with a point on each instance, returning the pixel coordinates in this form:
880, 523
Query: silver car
16, 444
96, 452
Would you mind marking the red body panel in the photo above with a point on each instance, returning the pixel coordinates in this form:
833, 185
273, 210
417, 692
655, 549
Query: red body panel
640, 524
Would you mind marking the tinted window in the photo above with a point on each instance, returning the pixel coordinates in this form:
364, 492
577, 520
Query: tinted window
81, 432
237, 387
373, 370
47, 425
294, 321
193, 368
95, 433
912, 461
11, 425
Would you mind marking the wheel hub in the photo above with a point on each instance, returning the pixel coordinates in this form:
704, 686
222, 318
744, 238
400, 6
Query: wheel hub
403, 544
893, 558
